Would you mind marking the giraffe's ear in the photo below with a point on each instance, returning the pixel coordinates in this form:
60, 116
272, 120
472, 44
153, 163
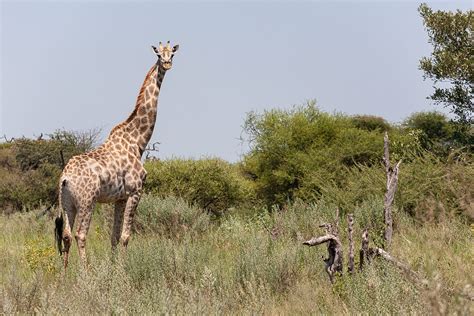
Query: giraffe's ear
175, 48
154, 49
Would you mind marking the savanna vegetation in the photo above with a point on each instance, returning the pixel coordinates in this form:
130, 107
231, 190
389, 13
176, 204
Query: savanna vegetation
217, 237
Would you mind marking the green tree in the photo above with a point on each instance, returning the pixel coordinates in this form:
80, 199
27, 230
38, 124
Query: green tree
212, 184
451, 64
293, 153
57, 149
300, 152
370, 123
437, 131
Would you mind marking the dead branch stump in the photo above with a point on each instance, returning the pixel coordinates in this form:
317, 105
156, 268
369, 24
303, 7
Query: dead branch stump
392, 181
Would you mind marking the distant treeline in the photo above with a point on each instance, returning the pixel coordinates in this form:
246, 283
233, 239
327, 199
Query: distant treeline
302, 153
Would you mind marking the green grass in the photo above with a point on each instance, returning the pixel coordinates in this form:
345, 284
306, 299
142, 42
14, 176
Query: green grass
180, 261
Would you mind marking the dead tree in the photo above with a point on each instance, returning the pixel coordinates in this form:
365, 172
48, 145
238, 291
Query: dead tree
333, 263
366, 254
350, 220
392, 180
149, 149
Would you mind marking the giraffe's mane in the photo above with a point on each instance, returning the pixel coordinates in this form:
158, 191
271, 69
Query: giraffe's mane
140, 99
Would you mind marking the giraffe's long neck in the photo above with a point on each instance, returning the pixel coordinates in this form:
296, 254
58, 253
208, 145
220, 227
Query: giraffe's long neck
138, 128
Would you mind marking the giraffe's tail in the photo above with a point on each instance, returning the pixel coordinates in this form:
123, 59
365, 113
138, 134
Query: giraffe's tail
58, 232
59, 222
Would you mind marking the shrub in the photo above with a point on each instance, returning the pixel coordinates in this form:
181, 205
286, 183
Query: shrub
57, 150
438, 133
170, 216
430, 189
212, 184
370, 123
20, 189
436, 130
29, 169
296, 153
435, 125
40, 255
28, 189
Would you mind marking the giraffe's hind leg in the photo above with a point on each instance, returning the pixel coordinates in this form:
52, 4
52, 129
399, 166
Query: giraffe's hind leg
69, 218
118, 221
129, 213
84, 220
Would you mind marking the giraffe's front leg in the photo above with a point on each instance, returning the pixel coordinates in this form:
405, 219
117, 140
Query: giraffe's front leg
129, 213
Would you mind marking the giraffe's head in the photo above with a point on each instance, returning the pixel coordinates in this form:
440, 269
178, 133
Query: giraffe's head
165, 54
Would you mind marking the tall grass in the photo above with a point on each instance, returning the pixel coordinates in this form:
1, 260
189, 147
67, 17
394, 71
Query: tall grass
180, 262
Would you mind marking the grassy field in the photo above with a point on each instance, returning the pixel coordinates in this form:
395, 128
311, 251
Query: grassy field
181, 261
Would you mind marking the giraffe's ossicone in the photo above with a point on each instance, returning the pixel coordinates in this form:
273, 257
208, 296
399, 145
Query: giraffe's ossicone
113, 172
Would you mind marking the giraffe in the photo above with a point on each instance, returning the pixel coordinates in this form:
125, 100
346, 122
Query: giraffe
112, 173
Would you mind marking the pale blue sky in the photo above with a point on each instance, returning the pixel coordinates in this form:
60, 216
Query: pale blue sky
79, 65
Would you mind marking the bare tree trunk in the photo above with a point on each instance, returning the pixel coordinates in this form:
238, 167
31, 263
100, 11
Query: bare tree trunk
350, 219
392, 180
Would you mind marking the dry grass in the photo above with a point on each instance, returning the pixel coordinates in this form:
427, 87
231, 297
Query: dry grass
234, 266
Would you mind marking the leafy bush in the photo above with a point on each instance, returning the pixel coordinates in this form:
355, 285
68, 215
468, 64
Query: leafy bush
295, 153
438, 133
40, 255
435, 125
169, 216
371, 123
29, 169
56, 150
28, 189
21, 189
212, 184
430, 189
436, 130
307, 154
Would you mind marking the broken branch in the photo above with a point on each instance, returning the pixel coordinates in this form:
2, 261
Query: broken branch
385, 255
350, 219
